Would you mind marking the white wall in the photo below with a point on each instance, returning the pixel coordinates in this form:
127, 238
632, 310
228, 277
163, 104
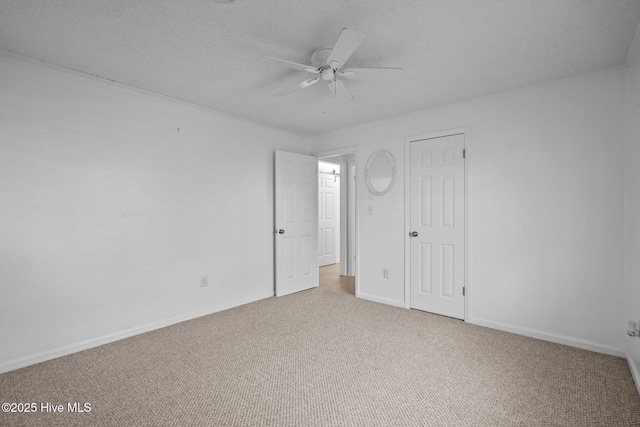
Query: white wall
545, 202
632, 202
109, 215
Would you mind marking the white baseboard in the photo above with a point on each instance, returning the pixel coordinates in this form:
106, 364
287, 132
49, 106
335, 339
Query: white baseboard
381, 300
633, 367
546, 336
13, 364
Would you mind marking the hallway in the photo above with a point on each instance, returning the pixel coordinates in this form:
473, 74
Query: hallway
331, 279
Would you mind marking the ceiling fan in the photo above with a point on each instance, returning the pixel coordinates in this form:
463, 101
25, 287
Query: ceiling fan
330, 69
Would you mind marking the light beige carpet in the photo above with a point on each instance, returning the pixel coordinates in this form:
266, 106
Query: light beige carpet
323, 358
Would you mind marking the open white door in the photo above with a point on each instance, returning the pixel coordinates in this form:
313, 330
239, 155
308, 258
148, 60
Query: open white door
437, 225
296, 222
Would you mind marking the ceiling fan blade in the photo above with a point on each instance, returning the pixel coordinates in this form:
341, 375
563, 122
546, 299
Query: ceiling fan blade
288, 64
347, 43
371, 73
343, 94
297, 87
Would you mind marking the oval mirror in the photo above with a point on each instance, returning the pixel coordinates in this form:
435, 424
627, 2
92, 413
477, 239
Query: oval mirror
380, 172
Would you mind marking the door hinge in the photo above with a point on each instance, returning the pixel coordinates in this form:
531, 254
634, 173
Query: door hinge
463, 291
464, 153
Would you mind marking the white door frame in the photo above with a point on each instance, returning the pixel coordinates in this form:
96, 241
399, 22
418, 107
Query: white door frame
407, 213
350, 251
338, 152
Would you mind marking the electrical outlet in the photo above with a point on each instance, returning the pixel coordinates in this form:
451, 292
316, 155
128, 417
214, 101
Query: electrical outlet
204, 281
386, 273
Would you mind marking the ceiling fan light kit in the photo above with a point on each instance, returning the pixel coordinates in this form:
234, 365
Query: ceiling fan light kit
327, 63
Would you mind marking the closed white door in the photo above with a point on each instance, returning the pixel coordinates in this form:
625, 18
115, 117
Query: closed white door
296, 222
437, 225
328, 203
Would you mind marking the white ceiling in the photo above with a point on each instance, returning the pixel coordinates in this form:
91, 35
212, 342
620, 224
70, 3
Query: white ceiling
203, 52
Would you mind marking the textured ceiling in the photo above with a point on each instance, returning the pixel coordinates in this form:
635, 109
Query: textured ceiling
203, 52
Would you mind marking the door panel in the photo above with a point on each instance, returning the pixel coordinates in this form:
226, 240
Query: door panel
295, 204
437, 215
425, 267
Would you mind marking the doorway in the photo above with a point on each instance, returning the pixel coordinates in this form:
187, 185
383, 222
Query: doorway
328, 213
336, 223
